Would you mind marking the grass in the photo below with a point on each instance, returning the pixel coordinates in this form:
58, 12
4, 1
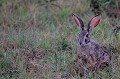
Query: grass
38, 39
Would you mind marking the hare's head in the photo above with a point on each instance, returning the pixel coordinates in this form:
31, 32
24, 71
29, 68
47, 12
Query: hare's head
84, 35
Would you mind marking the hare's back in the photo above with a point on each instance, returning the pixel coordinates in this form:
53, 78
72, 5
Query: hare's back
101, 52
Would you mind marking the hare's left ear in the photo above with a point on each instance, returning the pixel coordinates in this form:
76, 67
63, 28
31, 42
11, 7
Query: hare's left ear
78, 21
94, 22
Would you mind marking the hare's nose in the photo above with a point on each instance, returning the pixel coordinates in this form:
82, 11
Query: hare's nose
80, 43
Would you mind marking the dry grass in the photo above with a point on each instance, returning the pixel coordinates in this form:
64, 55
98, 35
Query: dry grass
38, 39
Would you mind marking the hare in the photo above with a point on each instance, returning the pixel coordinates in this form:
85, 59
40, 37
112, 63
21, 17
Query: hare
91, 55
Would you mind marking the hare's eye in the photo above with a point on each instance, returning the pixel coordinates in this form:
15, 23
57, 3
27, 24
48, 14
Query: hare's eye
87, 41
86, 35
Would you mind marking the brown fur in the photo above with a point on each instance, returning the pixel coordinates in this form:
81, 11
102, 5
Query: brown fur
91, 55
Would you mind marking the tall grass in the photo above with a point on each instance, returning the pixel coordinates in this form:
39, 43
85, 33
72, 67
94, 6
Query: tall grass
38, 39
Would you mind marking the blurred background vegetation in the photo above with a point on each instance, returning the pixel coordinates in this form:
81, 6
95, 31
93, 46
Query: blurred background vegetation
38, 37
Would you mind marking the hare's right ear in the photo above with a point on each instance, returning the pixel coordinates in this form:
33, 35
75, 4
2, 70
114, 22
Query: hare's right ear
94, 22
78, 21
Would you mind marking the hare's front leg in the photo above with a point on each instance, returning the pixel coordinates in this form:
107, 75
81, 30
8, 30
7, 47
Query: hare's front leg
92, 62
77, 66
80, 66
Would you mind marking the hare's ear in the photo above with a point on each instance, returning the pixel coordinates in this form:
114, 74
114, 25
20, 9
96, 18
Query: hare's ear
78, 21
94, 22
